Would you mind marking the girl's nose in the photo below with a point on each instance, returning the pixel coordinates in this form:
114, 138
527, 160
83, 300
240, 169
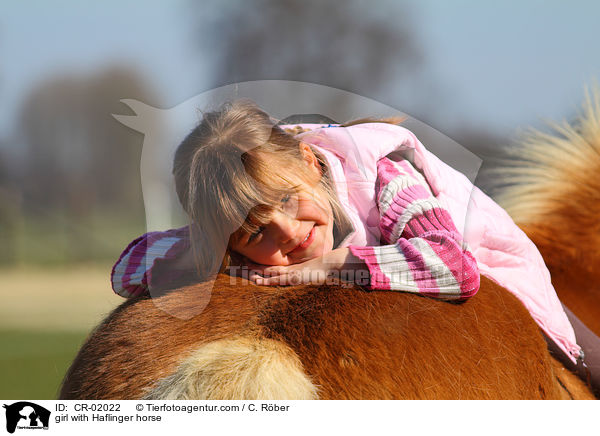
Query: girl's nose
285, 226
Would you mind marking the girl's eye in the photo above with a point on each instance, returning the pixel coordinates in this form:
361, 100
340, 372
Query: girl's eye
255, 234
289, 204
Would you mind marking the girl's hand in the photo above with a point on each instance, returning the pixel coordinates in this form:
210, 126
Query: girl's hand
315, 271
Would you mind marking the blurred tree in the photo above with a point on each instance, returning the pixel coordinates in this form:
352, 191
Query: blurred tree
368, 48
77, 153
10, 200
355, 45
80, 162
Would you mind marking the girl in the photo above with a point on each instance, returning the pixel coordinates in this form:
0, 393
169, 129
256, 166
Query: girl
336, 200
272, 199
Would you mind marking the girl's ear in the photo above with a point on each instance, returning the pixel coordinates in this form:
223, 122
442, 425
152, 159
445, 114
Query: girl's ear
310, 159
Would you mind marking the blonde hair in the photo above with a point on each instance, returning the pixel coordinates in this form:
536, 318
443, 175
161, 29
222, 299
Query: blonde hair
231, 172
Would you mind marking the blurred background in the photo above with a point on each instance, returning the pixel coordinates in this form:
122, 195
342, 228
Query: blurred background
70, 187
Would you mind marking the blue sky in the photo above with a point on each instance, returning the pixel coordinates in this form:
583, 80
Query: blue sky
499, 65
536, 56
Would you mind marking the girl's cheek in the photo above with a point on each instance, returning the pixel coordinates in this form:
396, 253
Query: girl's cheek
314, 200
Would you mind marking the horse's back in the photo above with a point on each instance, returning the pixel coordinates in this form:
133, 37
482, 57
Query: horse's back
329, 342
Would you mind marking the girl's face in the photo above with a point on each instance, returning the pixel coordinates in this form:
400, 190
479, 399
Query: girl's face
302, 229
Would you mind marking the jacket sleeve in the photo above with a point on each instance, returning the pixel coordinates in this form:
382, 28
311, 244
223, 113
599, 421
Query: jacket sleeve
136, 270
424, 252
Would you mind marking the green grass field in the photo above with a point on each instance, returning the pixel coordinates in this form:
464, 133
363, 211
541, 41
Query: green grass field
32, 364
45, 315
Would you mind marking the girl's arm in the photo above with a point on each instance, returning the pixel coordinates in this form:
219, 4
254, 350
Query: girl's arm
424, 252
155, 259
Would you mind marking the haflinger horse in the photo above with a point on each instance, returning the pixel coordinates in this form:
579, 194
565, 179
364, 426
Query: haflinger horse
331, 341
338, 341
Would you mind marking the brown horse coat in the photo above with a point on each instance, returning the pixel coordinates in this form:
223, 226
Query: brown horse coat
328, 342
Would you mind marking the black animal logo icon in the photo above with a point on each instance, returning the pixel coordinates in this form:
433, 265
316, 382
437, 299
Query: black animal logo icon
27, 414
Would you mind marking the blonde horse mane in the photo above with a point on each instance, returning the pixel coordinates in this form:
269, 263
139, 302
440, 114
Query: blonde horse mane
550, 186
556, 172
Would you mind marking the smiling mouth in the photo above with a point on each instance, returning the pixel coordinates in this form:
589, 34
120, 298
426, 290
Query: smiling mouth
306, 242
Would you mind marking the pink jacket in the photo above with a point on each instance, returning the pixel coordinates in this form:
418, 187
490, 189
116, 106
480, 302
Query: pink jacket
503, 252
